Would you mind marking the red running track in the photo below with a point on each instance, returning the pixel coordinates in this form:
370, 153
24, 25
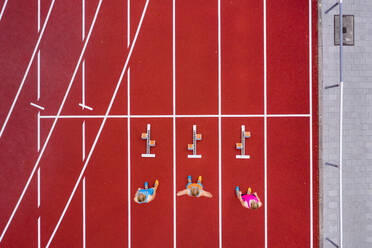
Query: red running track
175, 66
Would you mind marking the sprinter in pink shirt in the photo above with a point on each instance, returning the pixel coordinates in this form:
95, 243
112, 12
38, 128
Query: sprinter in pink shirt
250, 201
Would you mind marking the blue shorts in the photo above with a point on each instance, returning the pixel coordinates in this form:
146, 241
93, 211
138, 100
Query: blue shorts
146, 192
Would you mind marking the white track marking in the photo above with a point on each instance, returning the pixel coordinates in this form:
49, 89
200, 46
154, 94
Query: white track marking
37, 106
83, 125
38, 206
38, 188
54, 123
85, 107
100, 129
288, 115
38, 131
219, 129
82, 116
39, 232
265, 115
38, 128
168, 116
84, 216
311, 124
83, 20
128, 132
83, 140
38, 75
174, 124
38, 15
27, 70
129, 165
3, 9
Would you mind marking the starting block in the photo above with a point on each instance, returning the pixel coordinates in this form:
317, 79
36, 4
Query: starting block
149, 143
241, 146
192, 147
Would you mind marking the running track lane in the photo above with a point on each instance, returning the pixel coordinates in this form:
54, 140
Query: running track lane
151, 66
60, 50
106, 175
18, 38
288, 140
288, 182
242, 56
107, 186
242, 93
196, 57
288, 57
240, 225
17, 42
152, 224
197, 218
151, 93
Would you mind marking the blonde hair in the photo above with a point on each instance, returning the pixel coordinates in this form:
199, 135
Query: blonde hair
141, 197
194, 191
254, 205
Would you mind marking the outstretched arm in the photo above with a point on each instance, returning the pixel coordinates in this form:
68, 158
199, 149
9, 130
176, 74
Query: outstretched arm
183, 192
135, 196
205, 193
259, 200
152, 197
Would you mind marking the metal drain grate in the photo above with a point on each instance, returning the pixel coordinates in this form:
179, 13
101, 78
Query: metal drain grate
347, 29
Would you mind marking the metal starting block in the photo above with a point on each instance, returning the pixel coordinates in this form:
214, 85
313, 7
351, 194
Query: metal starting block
192, 147
149, 143
241, 146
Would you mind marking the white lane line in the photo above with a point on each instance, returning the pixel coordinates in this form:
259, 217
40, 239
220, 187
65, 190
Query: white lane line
82, 116
288, 115
38, 75
3, 9
82, 104
38, 127
38, 188
38, 206
83, 20
27, 70
169, 116
83, 63
128, 132
310, 123
83, 140
174, 124
38, 15
219, 129
37, 106
85, 106
53, 125
265, 117
129, 165
100, 129
38, 131
84, 216
39, 232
